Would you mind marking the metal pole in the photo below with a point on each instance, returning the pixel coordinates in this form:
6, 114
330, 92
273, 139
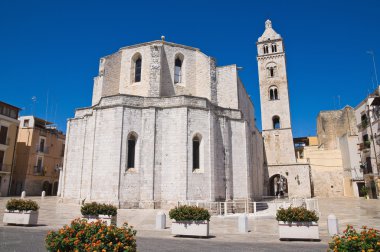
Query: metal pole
374, 65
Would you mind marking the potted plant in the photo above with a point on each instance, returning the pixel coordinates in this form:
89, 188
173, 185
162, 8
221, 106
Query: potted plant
21, 211
95, 211
364, 191
92, 236
190, 220
297, 223
368, 239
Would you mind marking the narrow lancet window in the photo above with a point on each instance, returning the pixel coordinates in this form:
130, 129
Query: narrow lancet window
196, 145
131, 151
274, 48
178, 70
138, 70
273, 93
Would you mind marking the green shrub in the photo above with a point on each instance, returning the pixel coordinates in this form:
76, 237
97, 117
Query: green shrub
189, 213
364, 190
296, 214
368, 239
22, 205
94, 236
95, 209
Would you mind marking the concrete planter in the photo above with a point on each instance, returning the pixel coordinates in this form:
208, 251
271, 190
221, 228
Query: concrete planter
106, 218
21, 217
191, 228
298, 230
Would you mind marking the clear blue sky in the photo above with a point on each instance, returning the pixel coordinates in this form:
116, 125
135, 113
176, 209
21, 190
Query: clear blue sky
53, 47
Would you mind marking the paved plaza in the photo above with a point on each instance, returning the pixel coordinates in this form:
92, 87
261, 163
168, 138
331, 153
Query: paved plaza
224, 231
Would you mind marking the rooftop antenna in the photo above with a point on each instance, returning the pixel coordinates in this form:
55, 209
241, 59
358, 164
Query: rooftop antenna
34, 99
338, 101
47, 104
55, 115
374, 65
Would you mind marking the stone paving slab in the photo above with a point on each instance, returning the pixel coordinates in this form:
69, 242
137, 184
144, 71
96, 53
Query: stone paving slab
357, 212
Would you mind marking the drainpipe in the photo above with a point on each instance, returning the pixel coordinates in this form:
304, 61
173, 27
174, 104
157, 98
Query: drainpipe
13, 161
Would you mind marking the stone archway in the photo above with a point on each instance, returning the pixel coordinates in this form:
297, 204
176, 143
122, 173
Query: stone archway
55, 188
278, 185
47, 187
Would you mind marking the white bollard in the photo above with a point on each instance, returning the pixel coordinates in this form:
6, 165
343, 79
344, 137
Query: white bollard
23, 194
160, 220
243, 223
332, 224
43, 194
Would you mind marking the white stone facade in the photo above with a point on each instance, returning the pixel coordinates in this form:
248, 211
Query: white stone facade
275, 116
209, 103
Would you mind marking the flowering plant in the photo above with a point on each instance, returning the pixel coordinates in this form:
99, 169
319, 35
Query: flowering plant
189, 213
21, 205
367, 240
296, 214
94, 236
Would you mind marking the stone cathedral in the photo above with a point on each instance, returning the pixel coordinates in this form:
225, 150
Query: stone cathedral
167, 124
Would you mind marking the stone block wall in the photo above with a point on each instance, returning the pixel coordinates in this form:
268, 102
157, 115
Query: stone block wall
333, 124
298, 178
96, 158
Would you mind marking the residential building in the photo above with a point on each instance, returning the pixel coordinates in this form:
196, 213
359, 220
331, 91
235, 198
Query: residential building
333, 156
367, 115
39, 156
8, 135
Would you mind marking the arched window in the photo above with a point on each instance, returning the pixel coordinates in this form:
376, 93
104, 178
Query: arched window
274, 48
136, 67
273, 93
276, 122
271, 69
178, 70
131, 151
196, 150
265, 48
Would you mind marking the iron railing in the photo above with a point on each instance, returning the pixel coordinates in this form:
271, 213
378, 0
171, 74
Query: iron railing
258, 208
38, 171
42, 149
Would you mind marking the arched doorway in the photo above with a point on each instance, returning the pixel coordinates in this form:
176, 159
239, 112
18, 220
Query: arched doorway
278, 185
47, 187
55, 188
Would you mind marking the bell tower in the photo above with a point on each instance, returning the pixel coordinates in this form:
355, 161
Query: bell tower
274, 98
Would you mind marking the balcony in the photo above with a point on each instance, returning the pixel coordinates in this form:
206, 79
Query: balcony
42, 149
5, 168
38, 171
367, 144
364, 146
364, 124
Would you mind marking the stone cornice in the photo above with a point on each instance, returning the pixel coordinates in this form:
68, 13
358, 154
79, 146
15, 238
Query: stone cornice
270, 56
131, 101
268, 41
